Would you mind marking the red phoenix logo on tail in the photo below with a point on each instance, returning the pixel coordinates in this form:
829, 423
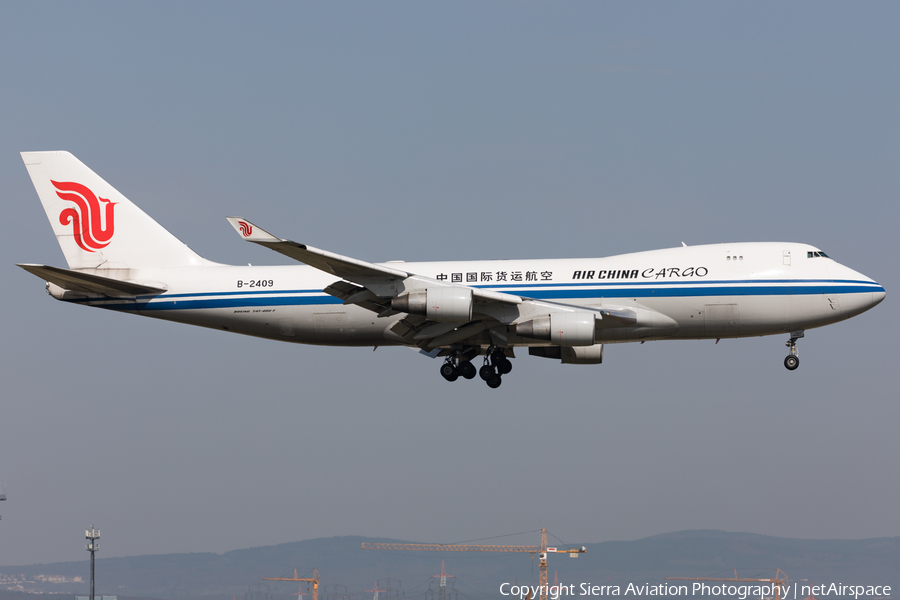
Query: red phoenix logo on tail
246, 228
91, 232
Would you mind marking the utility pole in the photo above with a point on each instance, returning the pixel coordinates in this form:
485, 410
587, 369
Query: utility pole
92, 535
445, 591
376, 590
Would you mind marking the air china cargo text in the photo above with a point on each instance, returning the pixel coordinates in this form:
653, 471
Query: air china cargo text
652, 273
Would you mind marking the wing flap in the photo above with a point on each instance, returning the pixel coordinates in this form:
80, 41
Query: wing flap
435, 330
360, 296
408, 327
459, 335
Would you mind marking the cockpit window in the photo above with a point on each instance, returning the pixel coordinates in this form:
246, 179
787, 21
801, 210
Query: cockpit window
816, 254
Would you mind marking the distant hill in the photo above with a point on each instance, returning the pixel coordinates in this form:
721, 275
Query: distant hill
341, 560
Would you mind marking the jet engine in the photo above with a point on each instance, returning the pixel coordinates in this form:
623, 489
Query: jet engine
448, 304
562, 329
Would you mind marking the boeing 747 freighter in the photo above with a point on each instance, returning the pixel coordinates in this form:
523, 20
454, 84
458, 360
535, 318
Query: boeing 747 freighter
565, 309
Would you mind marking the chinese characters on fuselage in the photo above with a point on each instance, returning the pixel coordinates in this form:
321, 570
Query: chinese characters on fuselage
492, 276
545, 276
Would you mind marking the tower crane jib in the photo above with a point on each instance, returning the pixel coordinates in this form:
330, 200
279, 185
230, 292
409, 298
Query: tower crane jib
541, 551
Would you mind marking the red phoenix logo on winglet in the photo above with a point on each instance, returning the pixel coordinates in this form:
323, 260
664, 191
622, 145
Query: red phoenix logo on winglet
246, 228
93, 231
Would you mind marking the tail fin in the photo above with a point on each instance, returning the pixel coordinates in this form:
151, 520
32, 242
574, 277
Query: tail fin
96, 226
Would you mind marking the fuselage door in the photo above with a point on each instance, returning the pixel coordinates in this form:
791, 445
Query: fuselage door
787, 257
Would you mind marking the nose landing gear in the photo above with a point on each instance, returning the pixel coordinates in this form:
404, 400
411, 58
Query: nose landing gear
792, 360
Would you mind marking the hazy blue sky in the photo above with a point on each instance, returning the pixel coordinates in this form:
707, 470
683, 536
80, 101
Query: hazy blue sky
448, 131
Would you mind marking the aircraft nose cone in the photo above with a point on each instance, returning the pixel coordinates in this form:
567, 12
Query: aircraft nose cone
878, 296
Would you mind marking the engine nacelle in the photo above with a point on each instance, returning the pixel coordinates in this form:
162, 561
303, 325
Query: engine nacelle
562, 329
571, 355
447, 304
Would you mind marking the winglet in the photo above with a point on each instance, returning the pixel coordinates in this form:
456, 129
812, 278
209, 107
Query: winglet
251, 232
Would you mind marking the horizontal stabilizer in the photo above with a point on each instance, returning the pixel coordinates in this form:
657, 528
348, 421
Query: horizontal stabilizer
76, 281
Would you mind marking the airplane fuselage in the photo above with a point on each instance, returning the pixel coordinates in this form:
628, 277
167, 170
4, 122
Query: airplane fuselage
694, 292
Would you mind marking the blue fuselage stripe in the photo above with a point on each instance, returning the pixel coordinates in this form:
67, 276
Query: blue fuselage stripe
664, 283
669, 292
560, 292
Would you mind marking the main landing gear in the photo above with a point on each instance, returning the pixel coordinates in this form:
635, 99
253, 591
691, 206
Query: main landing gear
453, 368
495, 365
792, 360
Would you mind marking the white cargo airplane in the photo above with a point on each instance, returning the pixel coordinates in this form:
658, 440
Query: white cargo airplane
121, 259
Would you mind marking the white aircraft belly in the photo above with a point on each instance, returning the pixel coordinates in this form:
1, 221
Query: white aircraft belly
323, 324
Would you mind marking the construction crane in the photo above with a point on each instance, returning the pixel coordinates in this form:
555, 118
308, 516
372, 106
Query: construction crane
314, 580
541, 551
778, 581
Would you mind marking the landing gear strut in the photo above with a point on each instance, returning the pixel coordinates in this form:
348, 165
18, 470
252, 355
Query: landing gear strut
503, 364
458, 365
792, 360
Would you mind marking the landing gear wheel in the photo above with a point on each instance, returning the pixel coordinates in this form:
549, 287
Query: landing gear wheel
449, 372
497, 356
504, 366
792, 361
486, 372
494, 382
467, 370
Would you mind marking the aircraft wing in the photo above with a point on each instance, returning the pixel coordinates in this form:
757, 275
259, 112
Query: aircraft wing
341, 266
373, 286
368, 275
